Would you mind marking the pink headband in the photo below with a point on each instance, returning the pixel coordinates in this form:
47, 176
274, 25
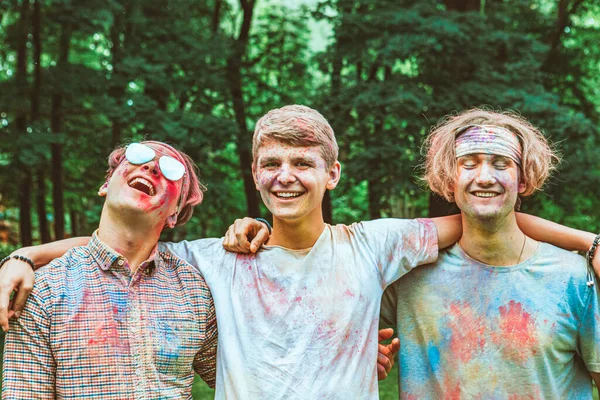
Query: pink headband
488, 139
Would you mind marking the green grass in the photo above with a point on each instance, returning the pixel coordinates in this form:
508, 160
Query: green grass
388, 389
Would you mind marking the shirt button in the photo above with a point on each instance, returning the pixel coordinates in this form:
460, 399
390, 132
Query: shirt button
121, 262
134, 329
138, 372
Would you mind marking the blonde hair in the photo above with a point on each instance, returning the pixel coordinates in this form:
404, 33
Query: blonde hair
539, 159
298, 126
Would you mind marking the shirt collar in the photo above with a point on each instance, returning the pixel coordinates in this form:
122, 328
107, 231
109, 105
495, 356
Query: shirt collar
106, 257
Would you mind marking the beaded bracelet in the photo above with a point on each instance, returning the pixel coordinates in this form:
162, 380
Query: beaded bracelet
592, 250
17, 257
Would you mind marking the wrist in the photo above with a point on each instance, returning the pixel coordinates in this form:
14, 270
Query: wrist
264, 221
591, 253
18, 257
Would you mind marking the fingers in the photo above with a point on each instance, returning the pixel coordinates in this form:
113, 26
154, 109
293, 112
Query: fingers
385, 361
394, 346
261, 237
238, 236
231, 241
385, 334
381, 373
14, 276
242, 231
21, 298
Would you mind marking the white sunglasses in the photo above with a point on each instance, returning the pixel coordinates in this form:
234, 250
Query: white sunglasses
137, 154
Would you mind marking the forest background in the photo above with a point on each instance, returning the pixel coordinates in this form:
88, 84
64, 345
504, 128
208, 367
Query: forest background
78, 78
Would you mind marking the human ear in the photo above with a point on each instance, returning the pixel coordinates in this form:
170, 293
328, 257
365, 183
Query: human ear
335, 173
103, 190
171, 221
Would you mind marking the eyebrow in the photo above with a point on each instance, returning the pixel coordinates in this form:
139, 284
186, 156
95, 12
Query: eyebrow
268, 159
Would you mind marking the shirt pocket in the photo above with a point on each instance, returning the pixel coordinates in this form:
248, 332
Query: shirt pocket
175, 344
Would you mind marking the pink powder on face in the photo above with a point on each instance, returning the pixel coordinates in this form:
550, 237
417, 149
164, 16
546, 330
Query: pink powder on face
467, 332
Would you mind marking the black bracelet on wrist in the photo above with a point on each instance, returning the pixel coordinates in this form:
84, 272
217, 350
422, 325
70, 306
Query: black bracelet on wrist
264, 221
592, 250
17, 257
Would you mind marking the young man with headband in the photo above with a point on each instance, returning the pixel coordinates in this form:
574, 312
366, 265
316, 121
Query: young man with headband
499, 314
118, 318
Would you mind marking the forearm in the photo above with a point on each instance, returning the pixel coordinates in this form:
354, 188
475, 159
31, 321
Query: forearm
449, 230
550, 232
44, 253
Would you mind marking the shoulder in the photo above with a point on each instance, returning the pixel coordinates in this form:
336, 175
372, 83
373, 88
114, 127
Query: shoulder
567, 262
198, 248
73, 262
384, 227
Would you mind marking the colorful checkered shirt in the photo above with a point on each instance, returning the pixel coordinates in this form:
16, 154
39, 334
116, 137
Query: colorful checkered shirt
93, 329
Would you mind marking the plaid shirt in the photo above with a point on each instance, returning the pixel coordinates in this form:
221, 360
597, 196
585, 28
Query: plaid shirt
93, 329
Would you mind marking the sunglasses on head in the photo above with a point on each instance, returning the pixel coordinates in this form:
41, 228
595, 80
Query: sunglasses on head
137, 154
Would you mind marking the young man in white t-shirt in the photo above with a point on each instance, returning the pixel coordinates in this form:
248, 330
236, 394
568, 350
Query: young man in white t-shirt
299, 318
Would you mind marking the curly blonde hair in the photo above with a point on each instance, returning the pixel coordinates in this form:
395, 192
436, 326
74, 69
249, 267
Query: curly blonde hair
539, 158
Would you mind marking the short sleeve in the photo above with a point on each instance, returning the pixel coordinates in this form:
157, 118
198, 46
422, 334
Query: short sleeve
29, 368
399, 245
201, 253
589, 329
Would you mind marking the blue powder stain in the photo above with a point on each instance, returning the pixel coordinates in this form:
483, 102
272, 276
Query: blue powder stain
433, 354
168, 339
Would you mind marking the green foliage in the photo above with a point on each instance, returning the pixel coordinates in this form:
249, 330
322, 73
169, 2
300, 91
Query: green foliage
391, 69
6, 249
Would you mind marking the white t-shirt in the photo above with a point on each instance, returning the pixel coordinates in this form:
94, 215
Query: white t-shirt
302, 324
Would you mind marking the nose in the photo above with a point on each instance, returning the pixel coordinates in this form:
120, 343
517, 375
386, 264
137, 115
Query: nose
286, 175
485, 177
151, 166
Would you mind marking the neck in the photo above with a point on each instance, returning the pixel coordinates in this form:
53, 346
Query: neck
296, 234
497, 243
131, 236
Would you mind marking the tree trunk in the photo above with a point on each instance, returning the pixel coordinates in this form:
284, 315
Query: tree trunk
41, 206
35, 114
74, 223
234, 77
463, 5
116, 89
216, 17
439, 207
327, 208
25, 226
56, 126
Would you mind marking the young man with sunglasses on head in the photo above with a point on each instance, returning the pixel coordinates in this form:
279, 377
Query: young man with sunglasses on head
118, 318
498, 315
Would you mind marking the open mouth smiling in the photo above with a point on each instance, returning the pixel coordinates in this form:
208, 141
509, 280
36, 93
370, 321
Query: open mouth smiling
485, 194
288, 195
143, 185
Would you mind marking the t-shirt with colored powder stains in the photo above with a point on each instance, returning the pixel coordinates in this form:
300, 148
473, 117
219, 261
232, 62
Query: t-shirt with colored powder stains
302, 324
470, 330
